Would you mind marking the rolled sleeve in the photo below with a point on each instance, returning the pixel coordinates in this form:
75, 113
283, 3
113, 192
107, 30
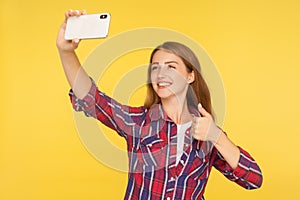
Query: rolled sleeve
247, 174
86, 104
248, 169
96, 104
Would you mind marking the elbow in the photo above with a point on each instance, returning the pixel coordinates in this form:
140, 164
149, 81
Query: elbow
255, 184
259, 182
259, 179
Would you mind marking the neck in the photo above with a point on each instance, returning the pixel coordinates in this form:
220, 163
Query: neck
177, 110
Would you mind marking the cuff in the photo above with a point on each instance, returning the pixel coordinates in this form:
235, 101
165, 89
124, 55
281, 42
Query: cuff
89, 99
243, 165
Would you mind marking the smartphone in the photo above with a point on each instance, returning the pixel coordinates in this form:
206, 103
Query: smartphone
87, 26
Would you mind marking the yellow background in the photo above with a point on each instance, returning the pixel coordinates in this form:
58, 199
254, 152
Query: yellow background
255, 45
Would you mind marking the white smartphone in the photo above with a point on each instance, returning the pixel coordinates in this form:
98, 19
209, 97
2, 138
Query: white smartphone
87, 26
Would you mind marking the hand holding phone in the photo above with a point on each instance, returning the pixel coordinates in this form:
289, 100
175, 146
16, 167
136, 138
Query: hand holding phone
87, 26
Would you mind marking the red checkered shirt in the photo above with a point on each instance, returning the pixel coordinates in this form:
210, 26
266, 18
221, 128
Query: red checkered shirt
151, 138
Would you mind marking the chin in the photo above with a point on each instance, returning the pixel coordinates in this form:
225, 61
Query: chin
165, 95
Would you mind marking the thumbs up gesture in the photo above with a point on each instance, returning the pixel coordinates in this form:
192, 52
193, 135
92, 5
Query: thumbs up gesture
204, 128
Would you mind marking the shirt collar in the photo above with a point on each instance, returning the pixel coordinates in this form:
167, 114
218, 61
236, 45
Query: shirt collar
156, 112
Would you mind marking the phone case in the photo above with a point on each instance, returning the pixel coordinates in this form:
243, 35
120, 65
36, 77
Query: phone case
87, 26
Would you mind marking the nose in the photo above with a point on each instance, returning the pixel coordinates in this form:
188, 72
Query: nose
162, 72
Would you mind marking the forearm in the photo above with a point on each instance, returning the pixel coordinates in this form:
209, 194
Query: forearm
76, 76
228, 150
78, 79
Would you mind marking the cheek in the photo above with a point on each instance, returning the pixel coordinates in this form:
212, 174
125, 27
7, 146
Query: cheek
178, 78
153, 77
152, 81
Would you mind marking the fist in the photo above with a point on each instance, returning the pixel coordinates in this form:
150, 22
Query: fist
204, 128
61, 43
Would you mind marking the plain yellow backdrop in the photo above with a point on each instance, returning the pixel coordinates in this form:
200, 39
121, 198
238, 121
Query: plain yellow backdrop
255, 45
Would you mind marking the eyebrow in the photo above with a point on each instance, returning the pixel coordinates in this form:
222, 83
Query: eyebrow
168, 62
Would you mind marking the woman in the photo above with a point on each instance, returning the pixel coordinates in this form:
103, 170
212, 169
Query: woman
172, 141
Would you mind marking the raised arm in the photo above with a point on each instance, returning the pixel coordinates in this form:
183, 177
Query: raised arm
76, 76
234, 162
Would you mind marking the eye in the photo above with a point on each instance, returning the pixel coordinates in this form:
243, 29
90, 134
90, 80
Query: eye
154, 67
171, 67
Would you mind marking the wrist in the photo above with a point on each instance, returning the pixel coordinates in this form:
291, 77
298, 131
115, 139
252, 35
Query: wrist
62, 50
219, 136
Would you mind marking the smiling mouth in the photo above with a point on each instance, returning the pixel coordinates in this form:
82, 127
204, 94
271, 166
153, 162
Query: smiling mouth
163, 84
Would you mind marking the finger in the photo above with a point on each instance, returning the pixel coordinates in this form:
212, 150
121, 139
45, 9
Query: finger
195, 129
75, 42
70, 12
77, 13
83, 12
67, 14
196, 122
202, 111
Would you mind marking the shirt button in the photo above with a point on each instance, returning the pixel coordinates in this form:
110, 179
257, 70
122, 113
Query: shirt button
168, 198
181, 161
172, 178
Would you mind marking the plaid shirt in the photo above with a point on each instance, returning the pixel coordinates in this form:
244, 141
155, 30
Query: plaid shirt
151, 138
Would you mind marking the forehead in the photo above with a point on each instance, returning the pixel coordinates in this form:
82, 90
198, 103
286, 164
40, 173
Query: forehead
165, 56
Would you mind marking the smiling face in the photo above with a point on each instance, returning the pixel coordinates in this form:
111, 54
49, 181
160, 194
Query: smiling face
169, 76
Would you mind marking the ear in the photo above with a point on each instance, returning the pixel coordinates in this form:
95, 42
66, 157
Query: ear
191, 77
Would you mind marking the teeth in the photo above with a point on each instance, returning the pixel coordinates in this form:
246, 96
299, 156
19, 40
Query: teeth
163, 84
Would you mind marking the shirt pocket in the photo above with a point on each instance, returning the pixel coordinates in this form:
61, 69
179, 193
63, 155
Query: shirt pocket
154, 151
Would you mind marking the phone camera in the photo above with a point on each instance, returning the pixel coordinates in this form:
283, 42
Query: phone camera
103, 16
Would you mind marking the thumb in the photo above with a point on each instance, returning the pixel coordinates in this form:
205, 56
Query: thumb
202, 111
75, 43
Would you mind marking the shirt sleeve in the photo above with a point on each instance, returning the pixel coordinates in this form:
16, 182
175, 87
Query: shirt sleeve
111, 113
247, 174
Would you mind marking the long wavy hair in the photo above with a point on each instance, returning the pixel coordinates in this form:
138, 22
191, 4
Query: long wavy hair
198, 91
